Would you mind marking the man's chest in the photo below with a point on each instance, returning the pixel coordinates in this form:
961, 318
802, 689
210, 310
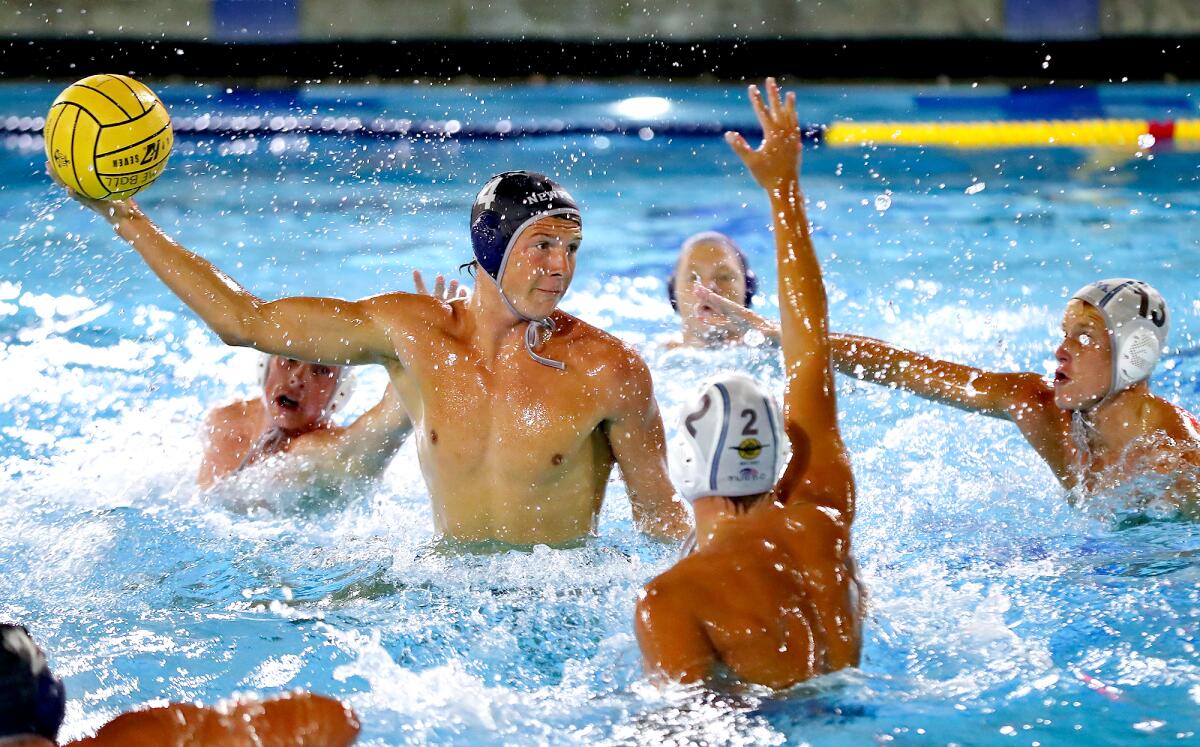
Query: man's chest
510, 408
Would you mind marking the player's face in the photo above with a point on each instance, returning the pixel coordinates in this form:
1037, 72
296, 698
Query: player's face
1084, 372
716, 267
541, 265
298, 393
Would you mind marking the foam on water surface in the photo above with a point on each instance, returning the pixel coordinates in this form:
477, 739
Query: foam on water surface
998, 613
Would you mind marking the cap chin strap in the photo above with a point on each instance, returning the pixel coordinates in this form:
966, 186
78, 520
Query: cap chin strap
533, 330
536, 326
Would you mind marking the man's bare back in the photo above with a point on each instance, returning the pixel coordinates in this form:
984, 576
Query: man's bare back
770, 594
776, 558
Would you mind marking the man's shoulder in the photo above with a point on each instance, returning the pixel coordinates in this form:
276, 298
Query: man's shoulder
401, 308
600, 346
680, 586
1175, 422
233, 415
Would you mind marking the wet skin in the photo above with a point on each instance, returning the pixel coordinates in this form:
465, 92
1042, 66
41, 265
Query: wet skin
1128, 434
293, 720
716, 267
511, 450
710, 292
771, 593
295, 400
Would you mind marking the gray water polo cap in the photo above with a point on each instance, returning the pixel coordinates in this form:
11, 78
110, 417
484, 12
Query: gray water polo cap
1136, 317
729, 441
507, 205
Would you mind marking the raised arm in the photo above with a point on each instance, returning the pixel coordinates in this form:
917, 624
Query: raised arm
819, 470
367, 446
999, 395
635, 434
322, 330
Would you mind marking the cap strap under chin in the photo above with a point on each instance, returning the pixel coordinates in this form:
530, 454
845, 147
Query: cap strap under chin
533, 330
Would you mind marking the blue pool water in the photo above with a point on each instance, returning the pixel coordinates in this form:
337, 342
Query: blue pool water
998, 614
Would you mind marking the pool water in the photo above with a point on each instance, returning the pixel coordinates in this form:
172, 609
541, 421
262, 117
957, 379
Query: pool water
998, 613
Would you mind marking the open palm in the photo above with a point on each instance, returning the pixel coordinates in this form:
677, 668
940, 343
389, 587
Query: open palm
775, 162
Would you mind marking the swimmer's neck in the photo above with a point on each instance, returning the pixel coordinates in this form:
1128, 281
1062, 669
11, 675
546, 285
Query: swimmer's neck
1115, 420
493, 322
715, 513
267, 424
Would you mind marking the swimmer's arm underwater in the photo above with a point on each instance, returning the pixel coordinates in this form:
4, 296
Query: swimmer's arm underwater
999, 395
294, 720
322, 330
820, 468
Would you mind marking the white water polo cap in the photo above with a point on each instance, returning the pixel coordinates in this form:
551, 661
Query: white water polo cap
1136, 317
341, 395
729, 441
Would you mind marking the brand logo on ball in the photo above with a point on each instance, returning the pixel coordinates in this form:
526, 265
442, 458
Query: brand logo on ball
60, 159
749, 448
151, 153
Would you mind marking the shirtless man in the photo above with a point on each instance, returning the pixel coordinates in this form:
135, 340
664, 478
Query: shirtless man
520, 410
292, 416
33, 703
1097, 425
770, 594
712, 276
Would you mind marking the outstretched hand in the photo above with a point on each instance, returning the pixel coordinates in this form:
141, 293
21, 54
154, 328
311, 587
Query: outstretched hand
737, 315
775, 162
113, 211
441, 291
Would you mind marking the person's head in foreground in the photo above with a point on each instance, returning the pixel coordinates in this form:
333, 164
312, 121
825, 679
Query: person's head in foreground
712, 261
525, 232
32, 700
300, 397
1113, 335
726, 457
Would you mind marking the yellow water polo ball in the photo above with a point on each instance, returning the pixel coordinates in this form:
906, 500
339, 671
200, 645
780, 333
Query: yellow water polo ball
108, 137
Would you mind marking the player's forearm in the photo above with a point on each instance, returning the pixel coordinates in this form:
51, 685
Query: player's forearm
664, 519
225, 307
944, 382
803, 290
374, 438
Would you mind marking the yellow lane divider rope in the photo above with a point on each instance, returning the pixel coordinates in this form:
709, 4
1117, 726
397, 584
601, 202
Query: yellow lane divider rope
1077, 133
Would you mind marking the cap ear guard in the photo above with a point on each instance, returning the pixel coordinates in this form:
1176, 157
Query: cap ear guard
1136, 317
488, 240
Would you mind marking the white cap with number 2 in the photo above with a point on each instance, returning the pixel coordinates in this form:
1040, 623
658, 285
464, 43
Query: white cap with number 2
729, 441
